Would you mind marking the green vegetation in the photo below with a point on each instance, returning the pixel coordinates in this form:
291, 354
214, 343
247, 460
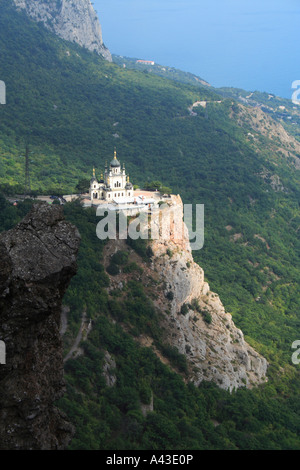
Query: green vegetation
10, 215
120, 258
66, 102
170, 295
161, 70
68, 108
184, 416
184, 309
87, 289
196, 307
157, 186
141, 247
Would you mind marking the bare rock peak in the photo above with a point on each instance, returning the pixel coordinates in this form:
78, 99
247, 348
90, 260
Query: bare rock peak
72, 20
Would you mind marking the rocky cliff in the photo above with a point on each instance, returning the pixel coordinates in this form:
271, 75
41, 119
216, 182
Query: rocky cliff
192, 318
37, 261
72, 20
202, 330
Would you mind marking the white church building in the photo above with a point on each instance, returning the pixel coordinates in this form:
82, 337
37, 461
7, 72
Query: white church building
114, 186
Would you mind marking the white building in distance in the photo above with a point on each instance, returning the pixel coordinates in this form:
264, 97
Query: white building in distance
114, 186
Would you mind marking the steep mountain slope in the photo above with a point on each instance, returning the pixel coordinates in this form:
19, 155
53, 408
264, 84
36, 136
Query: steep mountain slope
73, 108
71, 20
281, 110
192, 317
128, 379
126, 393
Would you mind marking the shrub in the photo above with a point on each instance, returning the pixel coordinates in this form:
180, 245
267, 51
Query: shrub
149, 252
145, 394
184, 309
120, 258
141, 247
112, 269
195, 305
175, 357
170, 295
207, 318
131, 267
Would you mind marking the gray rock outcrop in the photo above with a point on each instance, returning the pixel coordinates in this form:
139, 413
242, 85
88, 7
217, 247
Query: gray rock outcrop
72, 20
215, 348
37, 262
109, 368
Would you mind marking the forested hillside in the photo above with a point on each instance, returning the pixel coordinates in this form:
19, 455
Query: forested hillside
73, 108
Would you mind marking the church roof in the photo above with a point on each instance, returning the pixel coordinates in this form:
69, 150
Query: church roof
115, 162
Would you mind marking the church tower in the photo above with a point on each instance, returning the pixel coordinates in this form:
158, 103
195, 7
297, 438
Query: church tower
115, 186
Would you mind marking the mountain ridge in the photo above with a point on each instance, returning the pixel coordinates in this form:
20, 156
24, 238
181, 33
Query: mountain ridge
72, 20
73, 108
281, 110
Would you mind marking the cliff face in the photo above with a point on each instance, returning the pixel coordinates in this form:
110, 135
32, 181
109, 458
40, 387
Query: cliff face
37, 261
215, 348
72, 20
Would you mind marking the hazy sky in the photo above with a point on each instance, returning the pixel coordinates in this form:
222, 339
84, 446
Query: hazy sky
248, 44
